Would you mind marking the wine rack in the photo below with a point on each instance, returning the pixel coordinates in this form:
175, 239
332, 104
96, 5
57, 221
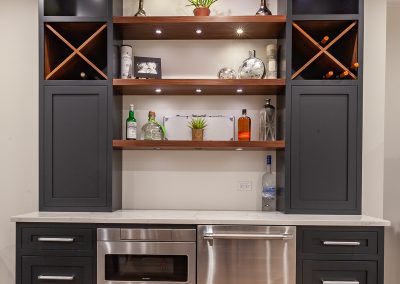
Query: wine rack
73, 48
313, 59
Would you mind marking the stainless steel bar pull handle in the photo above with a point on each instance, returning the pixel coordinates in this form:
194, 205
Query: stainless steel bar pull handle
56, 240
56, 278
338, 243
211, 236
340, 282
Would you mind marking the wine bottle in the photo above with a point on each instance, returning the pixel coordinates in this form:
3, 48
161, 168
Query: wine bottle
244, 127
355, 66
328, 75
344, 74
84, 76
324, 40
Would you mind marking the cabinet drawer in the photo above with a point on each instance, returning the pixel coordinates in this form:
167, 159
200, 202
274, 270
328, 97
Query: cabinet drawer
340, 272
339, 241
58, 238
57, 270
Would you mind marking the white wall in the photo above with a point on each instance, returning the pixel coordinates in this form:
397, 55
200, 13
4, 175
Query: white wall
392, 142
374, 106
208, 177
18, 122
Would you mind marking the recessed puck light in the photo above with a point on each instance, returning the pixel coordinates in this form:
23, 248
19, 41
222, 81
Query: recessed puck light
239, 31
158, 90
158, 31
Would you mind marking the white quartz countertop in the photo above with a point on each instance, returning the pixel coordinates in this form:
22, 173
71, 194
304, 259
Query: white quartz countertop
200, 217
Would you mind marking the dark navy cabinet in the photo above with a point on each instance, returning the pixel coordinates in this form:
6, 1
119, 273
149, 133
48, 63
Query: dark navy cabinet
324, 150
340, 255
74, 148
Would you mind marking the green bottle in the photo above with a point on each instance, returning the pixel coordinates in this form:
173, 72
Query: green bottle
131, 125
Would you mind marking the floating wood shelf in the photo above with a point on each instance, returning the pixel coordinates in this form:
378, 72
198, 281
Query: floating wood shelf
173, 87
184, 28
198, 145
313, 60
65, 59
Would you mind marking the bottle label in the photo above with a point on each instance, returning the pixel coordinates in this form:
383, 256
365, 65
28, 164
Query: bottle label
269, 192
244, 136
131, 130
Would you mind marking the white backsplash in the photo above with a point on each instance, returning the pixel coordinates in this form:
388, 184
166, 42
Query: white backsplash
194, 179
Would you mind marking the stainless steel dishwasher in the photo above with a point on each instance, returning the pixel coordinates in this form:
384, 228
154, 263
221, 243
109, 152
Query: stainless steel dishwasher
246, 254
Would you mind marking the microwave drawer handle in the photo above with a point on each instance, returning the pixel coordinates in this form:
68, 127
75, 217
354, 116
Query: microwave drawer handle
212, 236
340, 282
343, 244
56, 240
56, 278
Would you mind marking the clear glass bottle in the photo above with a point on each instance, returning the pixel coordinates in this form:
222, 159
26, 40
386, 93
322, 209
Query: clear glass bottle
272, 61
244, 127
268, 122
252, 67
152, 130
131, 124
269, 188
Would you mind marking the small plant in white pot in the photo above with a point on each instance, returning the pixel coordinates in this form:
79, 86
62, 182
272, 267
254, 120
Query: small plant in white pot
198, 125
202, 7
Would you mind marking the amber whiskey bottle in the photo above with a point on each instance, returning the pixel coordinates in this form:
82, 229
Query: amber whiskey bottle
244, 127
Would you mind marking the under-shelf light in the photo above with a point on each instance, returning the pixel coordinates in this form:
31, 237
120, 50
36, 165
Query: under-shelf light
239, 31
158, 90
199, 91
199, 31
239, 149
239, 91
158, 31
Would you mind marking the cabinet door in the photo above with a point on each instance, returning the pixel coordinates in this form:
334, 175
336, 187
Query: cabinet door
74, 153
324, 131
340, 272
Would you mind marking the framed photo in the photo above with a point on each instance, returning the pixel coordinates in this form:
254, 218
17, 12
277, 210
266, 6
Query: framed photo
147, 67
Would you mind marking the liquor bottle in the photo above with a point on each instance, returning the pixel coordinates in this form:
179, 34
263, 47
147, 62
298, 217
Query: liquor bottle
244, 127
269, 188
152, 130
324, 40
272, 61
267, 122
328, 75
85, 76
131, 125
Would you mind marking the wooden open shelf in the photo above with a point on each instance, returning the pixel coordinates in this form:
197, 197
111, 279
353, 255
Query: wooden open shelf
198, 145
184, 28
72, 48
173, 87
312, 60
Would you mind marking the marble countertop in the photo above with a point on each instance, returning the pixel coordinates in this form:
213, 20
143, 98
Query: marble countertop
194, 217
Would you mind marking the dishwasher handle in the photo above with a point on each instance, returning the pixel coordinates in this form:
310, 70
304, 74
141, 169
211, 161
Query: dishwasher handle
243, 236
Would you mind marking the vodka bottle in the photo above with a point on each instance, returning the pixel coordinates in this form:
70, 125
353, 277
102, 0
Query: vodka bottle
269, 188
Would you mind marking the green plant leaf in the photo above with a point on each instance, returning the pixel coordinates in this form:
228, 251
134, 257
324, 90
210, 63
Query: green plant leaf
197, 123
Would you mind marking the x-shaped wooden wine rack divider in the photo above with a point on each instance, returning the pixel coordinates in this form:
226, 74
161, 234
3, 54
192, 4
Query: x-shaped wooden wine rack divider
324, 50
76, 51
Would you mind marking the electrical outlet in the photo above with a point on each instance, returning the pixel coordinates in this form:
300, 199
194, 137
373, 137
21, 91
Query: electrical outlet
245, 186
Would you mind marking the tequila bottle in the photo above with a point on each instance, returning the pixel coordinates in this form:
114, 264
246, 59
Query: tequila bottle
268, 122
152, 130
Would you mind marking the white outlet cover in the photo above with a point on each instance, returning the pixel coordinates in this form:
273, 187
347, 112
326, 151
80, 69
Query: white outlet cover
245, 186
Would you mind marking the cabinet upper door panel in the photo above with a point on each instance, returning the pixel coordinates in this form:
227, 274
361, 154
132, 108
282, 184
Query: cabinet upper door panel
75, 147
324, 148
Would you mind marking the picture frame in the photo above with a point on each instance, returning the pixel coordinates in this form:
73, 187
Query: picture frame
147, 68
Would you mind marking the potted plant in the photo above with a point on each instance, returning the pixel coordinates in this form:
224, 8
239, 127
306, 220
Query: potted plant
198, 126
202, 7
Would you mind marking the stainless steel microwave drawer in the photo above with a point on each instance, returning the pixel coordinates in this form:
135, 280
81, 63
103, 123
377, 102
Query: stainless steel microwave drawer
317, 240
